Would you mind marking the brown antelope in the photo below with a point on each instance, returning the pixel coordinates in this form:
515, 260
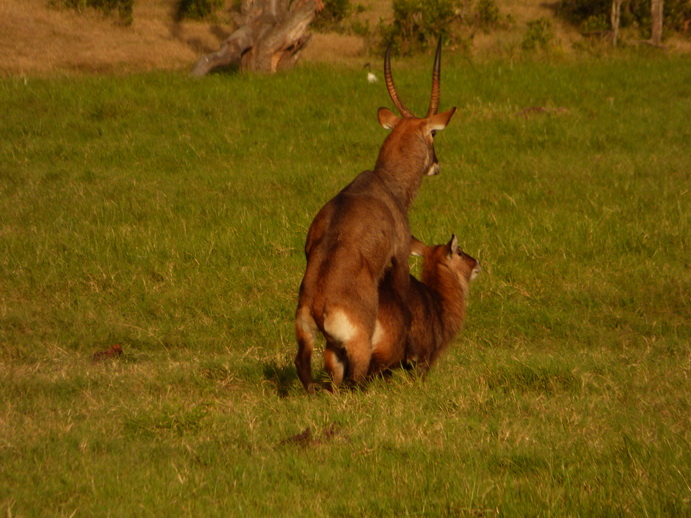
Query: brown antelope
360, 233
437, 309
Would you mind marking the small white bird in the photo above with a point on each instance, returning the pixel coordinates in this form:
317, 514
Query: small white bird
371, 78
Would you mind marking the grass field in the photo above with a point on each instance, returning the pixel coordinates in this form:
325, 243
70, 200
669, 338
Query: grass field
168, 215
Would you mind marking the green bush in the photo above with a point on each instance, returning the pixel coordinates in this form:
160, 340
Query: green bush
676, 14
487, 14
418, 23
578, 12
596, 24
360, 28
334, 12
539, 35
122, 7
488, 17
587, 14
196, 9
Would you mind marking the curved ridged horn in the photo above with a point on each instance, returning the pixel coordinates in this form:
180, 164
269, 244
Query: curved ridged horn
391, 88
436, 75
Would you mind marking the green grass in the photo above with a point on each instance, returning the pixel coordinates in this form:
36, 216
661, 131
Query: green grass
169, 215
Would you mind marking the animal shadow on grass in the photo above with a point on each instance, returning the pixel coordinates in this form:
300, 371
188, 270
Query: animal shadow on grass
283, 377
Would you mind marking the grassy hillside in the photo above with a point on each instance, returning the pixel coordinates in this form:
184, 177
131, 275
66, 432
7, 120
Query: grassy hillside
41, 41
168, 216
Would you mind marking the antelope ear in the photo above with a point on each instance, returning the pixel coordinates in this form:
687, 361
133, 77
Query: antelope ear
417, 247
387, 118
452, 246
440, 120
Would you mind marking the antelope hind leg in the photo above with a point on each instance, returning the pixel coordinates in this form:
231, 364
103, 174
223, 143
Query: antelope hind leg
305, 331
359, 356
335, 364
349, 330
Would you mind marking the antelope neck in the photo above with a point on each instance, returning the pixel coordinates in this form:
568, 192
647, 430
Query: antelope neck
402, 184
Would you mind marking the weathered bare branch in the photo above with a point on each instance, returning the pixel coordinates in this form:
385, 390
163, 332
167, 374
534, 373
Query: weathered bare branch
271, 35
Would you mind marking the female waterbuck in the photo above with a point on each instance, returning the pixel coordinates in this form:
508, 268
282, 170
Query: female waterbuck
360, 233
436, 305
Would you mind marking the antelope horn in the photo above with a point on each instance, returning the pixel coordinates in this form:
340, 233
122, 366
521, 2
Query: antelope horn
436, 75
391, 88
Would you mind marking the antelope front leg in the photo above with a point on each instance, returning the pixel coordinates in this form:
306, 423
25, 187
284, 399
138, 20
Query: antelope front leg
350, 361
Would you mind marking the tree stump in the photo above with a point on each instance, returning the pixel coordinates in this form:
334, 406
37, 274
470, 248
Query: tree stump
270, 36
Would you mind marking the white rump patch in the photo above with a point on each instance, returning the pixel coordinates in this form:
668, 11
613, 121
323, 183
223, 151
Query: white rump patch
339, 326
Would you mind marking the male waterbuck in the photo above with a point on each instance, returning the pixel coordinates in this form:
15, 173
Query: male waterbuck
358, 235
437, 309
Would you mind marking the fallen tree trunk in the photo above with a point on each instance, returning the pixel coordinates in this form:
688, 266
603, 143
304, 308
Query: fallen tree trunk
270, 36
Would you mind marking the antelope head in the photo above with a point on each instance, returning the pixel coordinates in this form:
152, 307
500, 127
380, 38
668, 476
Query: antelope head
447, 258
409, 149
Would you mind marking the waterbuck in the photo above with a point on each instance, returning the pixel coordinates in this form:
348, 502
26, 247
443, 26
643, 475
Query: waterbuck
358, 235
436, 305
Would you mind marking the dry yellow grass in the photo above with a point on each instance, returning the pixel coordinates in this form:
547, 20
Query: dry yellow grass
38, 40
